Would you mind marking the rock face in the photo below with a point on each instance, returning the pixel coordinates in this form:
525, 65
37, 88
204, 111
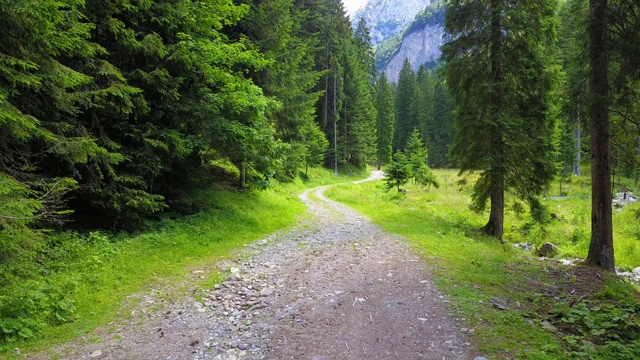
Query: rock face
420, 47
387, 18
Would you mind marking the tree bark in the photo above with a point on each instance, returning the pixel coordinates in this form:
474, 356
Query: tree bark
335, 122
495, 225
243, 177
577, 135
601, 246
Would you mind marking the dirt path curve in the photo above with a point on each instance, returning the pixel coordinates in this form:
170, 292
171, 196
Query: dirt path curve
333, 287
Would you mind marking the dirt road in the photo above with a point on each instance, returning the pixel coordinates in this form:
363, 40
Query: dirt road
333, 287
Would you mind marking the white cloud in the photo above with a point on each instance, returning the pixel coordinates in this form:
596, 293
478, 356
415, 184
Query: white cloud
352, 5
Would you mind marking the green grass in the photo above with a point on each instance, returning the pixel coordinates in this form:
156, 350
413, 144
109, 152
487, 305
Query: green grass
99, 272
472, 268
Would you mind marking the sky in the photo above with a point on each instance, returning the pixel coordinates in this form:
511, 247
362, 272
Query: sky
353, 5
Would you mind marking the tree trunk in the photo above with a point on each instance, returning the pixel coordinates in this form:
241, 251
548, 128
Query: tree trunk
636, 171
326, 88
243, 177
601, 246
495, 225
577, 135
335, 122
560, 188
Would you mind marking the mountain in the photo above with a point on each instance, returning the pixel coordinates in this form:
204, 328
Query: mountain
420, 43
387, 18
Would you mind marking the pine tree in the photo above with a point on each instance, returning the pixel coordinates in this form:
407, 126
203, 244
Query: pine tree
601, 246
398, 172
358, 115
572, 45
41, 95
385, 121
404, 114
443, 128
326, 21
423, 106
366, 56
276, 28
503, 128
417, 156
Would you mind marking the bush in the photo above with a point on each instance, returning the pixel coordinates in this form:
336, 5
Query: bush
29, 308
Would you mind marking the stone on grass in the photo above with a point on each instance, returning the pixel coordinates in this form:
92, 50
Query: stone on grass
498, 303
547, 250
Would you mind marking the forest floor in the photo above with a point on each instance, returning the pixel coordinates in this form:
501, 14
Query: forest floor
334, 286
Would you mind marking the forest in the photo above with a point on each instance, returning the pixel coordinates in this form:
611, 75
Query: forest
116, 116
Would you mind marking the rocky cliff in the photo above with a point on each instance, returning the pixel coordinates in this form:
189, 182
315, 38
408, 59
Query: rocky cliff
387, 18
420, 47
420, 44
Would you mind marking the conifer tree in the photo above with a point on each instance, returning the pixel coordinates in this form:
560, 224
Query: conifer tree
443, 128
398, 172
423, 106
404, 110
385, 120
358, 115
573, 58
326, 21
290, 78
498, 67
366, 56
42, 93
417, 156
601, 246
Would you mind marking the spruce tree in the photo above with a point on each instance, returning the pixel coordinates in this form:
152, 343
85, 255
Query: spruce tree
42, 93
385, 120
417, 156
398, 172
358, 115
404, 110
572, 47
443, 128
276, 28
499, 69
423, 106
601, 246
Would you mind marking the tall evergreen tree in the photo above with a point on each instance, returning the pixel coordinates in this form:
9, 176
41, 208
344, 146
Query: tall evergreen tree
358, 116
572, 47
366, 56
326, 21
499, 70
423, 106
41, 95
276, 28
385, 120
601, 246
443, 128
404, 111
